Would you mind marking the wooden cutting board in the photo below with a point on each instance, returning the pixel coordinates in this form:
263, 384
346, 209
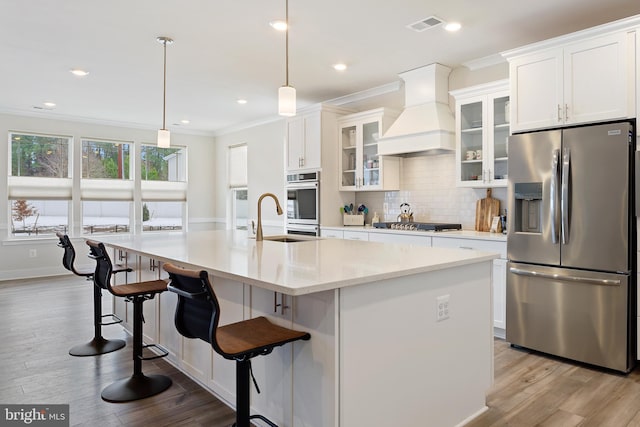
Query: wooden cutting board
486, 209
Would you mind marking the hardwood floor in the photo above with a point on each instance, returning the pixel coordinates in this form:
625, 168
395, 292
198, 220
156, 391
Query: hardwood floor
42, 318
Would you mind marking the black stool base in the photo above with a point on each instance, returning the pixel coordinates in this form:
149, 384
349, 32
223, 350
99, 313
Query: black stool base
135, 388
96, 346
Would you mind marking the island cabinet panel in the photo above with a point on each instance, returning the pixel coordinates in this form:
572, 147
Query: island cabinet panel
149, 269
394, 351
315, 377
121, 307
273, 372
231, 297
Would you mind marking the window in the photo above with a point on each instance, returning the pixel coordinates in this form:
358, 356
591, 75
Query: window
38, 218
163, 175
105, 216
162, 216
238, 186
105, 159
106, 187
39, 184
162, 164
240, 209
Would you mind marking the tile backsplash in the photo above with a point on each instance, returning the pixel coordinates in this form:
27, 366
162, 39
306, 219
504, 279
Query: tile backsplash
429, 185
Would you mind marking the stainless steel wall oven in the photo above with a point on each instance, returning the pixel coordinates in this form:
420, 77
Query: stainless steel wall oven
303, 203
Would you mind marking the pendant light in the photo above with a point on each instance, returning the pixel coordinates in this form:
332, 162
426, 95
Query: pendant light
164, 136
286, 93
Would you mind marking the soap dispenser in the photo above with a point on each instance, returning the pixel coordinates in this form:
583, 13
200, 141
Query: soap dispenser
375, 218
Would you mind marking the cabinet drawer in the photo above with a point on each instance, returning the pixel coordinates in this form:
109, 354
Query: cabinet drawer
408, 239
356, 235
478, 245
331, 234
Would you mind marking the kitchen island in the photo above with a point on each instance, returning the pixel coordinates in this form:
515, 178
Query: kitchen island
400, 335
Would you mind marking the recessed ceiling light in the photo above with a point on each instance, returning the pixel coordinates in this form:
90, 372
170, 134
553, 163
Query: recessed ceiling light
242, 101
185, 121
452, 26
78, 72
340, 67
279, 25
49, 104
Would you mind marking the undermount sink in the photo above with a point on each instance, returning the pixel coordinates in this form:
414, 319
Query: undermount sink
289, 239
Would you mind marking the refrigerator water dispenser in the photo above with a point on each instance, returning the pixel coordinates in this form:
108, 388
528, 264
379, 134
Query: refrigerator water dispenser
528, 207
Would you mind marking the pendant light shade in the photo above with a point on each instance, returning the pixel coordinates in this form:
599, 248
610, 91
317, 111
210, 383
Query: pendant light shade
286, 93
287, 101
164, 136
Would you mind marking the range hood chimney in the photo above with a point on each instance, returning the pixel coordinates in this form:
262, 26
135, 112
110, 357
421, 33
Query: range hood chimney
426, 125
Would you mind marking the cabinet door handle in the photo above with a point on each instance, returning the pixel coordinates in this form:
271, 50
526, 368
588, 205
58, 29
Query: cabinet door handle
566, 111
559, 113
282, 303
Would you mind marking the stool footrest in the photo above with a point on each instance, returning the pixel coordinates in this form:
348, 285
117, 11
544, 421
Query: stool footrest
164, 352
262, 417
115, 320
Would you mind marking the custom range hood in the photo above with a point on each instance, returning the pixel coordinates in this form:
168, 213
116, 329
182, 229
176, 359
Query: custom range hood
426, 125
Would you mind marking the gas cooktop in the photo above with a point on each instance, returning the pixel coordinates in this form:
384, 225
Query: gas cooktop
418, 226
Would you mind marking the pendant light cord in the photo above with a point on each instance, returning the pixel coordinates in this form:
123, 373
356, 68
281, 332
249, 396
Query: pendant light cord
164, 86
286, 38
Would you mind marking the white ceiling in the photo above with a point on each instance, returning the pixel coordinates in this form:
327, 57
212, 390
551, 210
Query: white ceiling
225, 50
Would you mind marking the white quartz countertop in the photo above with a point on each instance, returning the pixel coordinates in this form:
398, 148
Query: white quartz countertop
295, 268
452, 234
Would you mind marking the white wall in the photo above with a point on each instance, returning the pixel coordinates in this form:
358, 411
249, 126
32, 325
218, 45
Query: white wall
14, 254
265, 170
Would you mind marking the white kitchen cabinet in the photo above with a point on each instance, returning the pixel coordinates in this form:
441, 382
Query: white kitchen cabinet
356, 235
331, 233
407, 239
482, 132
498, 274
304, 142
311, 138
274, 371
361, 168
499, 283
149, 269
570, 83
121, 307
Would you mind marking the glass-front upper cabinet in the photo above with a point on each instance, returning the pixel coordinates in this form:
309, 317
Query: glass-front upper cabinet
361, 168
482, 132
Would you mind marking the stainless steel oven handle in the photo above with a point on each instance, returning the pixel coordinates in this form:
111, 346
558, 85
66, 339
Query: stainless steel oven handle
553, 195
302, 185
564, 203
532, 273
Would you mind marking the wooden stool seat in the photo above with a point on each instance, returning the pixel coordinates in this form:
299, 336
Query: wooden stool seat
140, 288
254, 336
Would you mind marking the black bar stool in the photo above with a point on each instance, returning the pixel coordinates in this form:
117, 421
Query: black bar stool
98, 345
139, 385
197, 316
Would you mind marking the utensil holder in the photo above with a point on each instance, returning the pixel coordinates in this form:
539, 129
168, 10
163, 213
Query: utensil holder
353, 219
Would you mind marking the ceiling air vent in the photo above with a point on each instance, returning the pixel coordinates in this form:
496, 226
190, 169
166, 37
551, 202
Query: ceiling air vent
425, 24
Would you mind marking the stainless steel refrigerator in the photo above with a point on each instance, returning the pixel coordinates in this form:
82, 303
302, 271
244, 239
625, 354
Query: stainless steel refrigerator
571, 278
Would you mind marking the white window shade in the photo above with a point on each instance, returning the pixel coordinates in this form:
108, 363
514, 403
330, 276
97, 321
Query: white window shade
238, 166
164, 191
106, 189
39, 188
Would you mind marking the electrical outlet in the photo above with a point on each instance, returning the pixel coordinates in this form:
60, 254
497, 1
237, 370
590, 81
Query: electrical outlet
33, 253
385, 208
442, 308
